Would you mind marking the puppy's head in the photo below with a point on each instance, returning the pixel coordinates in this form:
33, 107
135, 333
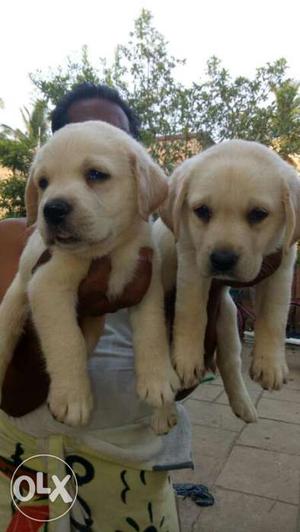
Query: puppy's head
234, 204
89, 184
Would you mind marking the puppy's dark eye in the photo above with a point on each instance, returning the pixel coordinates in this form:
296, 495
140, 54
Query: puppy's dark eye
257, 215
204, 213
96, 175
43, 183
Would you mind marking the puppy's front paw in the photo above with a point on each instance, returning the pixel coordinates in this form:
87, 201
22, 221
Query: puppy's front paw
271, 373
72, 406
190, 369
158, 386
164, 419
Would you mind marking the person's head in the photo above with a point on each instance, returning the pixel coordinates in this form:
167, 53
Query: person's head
95, 102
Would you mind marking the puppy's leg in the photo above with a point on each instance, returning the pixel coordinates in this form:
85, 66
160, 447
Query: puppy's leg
52, 295
272, 305
166, 246
164, 419
13, 313
92, 328
190, 319
157, 381
229, 361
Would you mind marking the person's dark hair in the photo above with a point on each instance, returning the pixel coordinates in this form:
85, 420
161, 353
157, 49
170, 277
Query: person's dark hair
84, 91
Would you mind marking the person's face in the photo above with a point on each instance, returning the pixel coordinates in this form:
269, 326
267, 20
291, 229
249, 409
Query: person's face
98, 109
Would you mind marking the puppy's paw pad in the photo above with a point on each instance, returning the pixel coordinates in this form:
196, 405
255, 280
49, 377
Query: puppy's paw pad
73, 407
269, 374
158, 388
163, 420
189, 371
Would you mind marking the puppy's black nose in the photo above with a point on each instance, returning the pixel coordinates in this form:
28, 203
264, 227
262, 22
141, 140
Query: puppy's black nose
55, 211
223, 260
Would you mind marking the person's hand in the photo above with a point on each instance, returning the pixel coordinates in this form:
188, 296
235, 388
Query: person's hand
26, 382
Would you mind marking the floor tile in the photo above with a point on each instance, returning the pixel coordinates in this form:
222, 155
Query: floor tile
211, 441
188, 514
293, 357
215, 382
205, 473
237, 512
213, 415
272, 435
254, 392
252, 470
294, 379
285, 394
206, 392
279, 410
264, 473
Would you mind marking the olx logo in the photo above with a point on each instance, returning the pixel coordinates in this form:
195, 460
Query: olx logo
29, 485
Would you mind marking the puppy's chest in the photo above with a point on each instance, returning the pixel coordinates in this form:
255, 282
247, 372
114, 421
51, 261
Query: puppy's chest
122, 272
124, 261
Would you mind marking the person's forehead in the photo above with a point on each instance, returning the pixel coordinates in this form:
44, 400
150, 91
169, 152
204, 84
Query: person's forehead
98, 109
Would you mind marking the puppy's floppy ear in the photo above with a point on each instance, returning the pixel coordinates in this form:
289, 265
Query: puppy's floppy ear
291, 201
152, 185
171, 208
31, 199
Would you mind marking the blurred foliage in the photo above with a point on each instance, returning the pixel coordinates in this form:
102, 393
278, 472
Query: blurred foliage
17, 149
12, 196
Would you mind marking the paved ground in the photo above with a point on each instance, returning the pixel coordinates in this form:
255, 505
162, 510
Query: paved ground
252, 470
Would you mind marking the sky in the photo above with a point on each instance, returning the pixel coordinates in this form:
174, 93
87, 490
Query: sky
38, 34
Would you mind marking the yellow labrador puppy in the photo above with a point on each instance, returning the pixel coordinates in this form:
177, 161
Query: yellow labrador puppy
228, 208
91, 190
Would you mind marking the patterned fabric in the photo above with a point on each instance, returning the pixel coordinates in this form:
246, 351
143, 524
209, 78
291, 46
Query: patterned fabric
119, 427
111, 497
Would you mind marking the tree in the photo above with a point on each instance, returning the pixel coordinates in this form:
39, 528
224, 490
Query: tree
286, 118
214, 108
142, 70
241, 107
177, 121
12, 197
53, 84
35, 124
17, 149
144, 73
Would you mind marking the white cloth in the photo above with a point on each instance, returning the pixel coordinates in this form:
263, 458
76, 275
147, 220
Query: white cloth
119, 427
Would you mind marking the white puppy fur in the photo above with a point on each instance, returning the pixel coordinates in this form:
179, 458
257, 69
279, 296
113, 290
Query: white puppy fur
110, 186
238, 198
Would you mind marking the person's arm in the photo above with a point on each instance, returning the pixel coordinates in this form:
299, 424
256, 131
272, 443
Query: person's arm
13, 237
25, 379
26, 382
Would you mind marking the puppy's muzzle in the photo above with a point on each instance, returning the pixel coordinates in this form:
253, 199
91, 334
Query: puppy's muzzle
223, 261
56, 211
